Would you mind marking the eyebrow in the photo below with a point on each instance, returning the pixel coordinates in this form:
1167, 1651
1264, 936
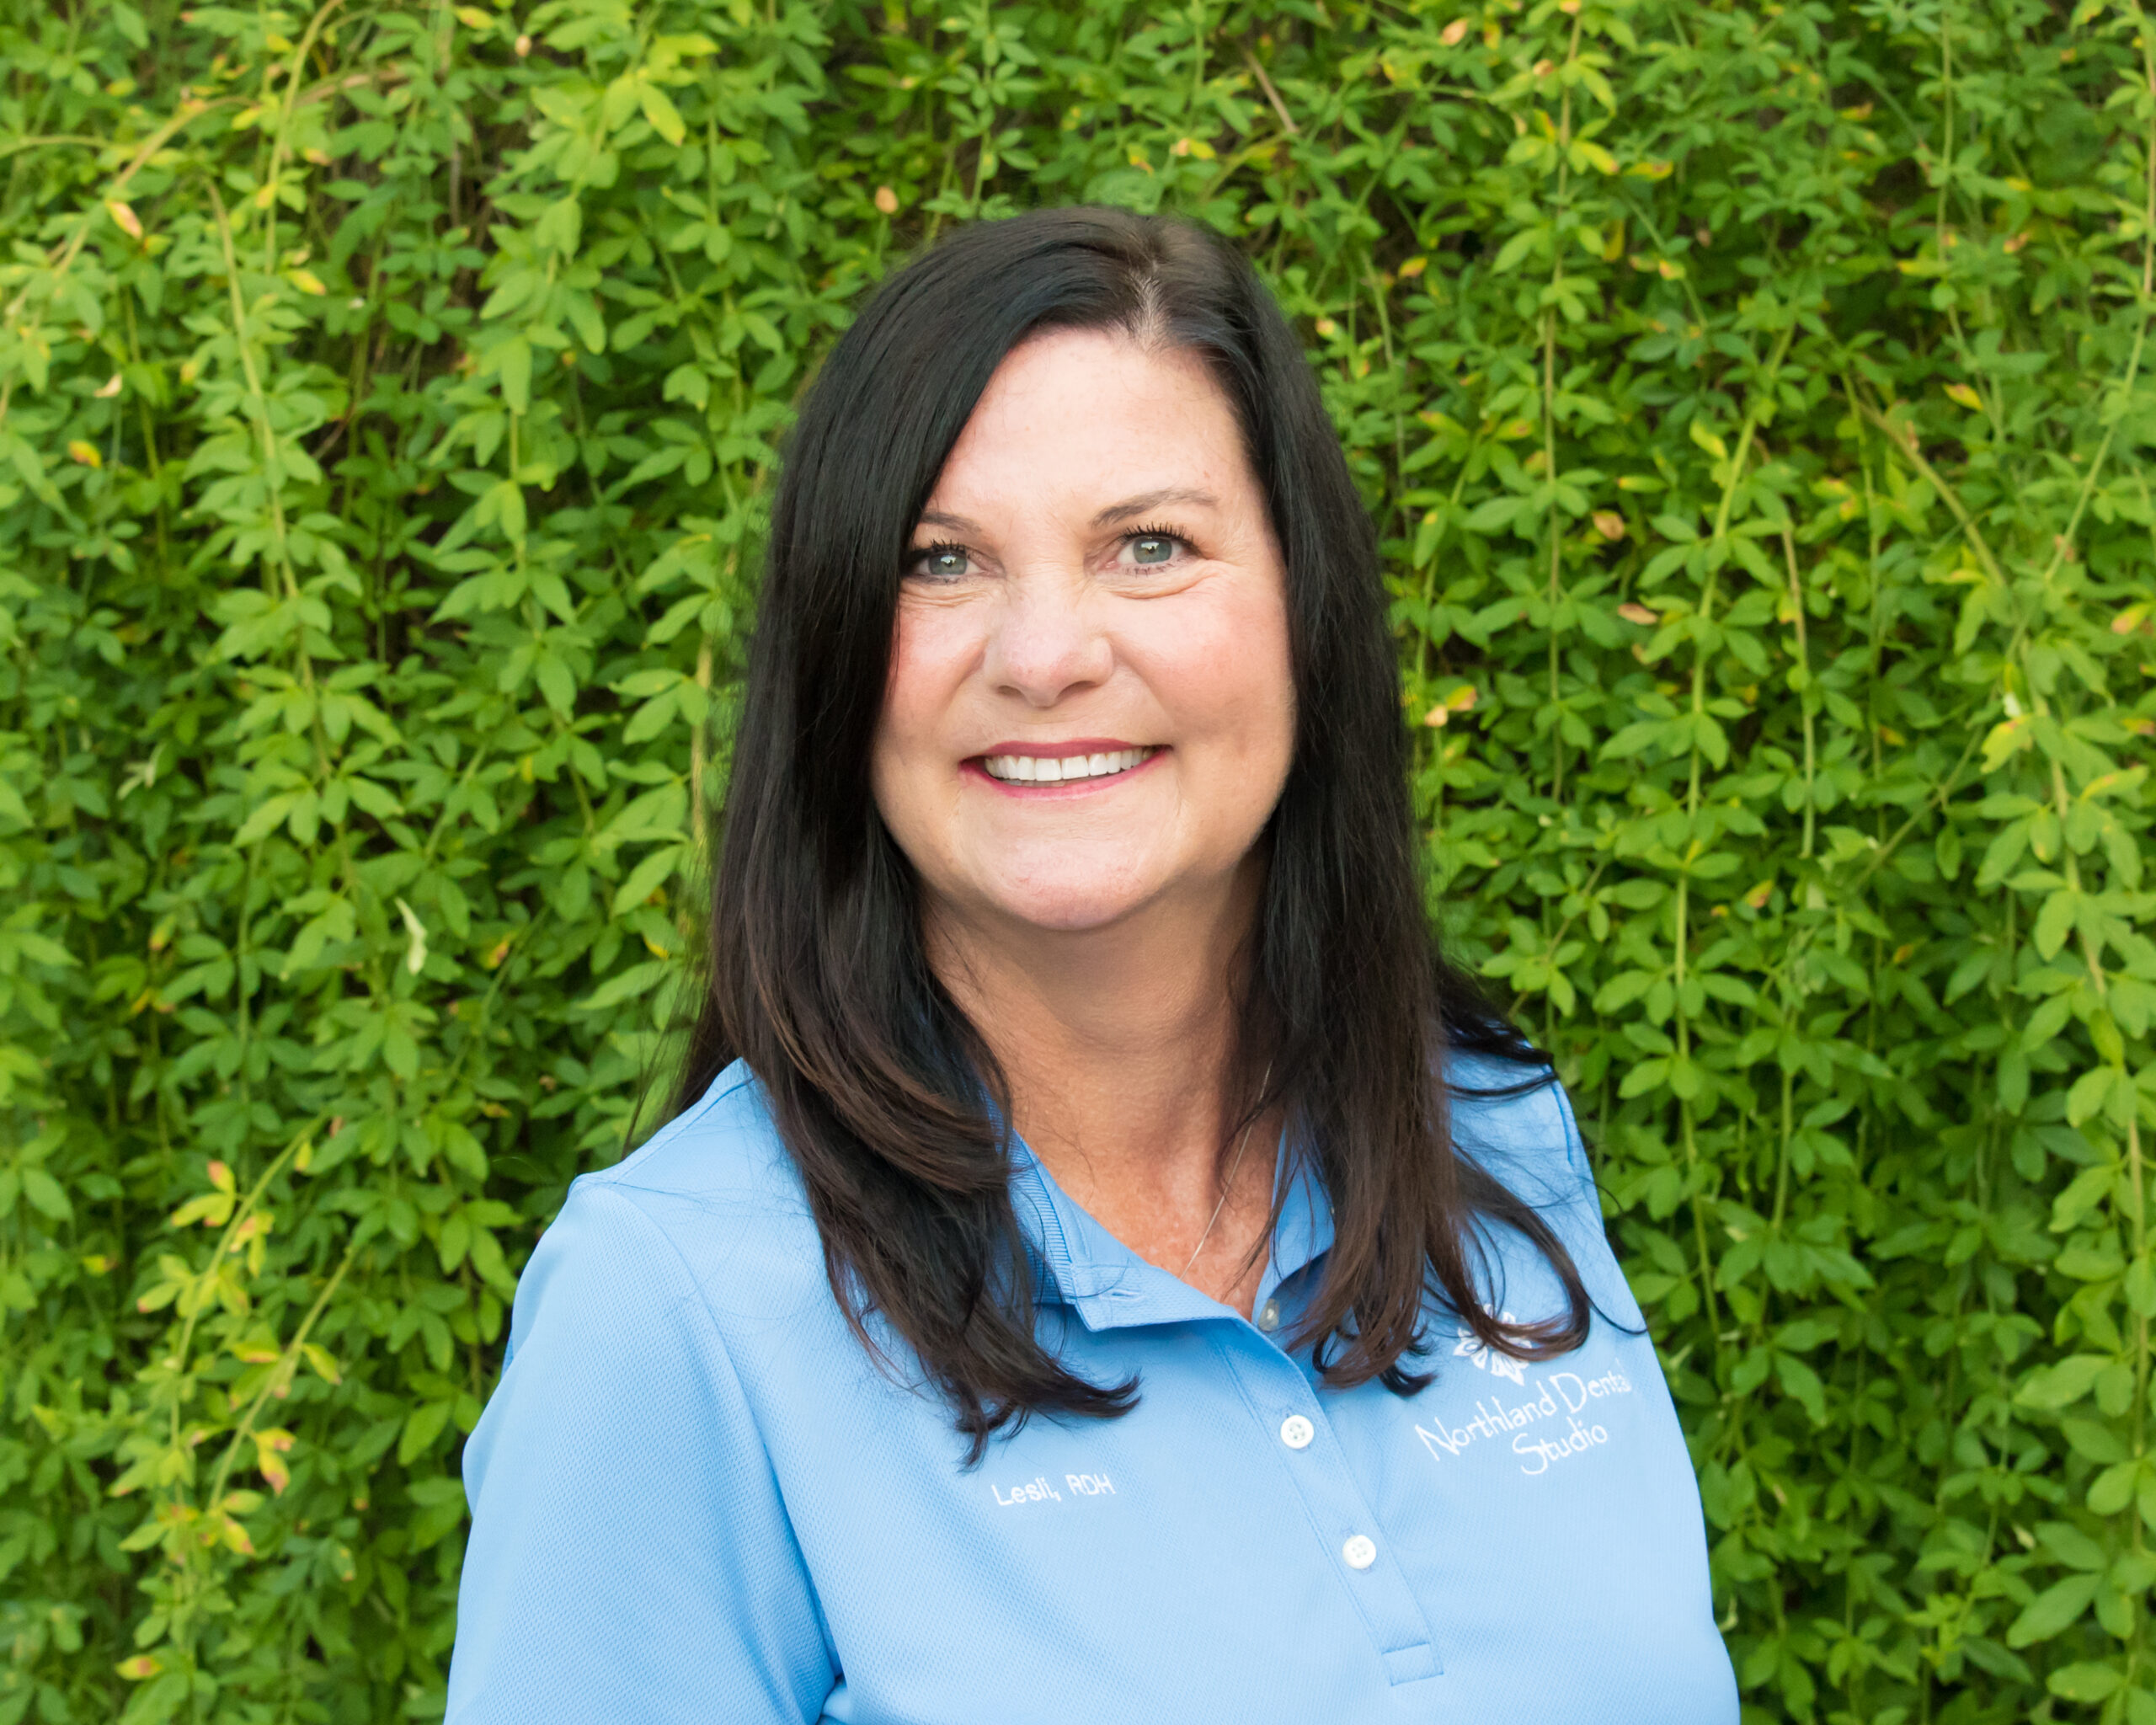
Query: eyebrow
1144, 502
1149, 500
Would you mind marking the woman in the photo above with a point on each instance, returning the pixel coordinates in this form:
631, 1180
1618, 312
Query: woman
1068, 1290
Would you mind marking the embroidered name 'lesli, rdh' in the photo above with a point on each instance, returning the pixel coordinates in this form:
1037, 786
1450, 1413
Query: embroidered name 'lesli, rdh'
1039, 1490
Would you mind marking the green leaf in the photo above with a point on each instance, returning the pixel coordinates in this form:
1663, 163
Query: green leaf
2063, 1384
513, 364
2086, 1682
421, 1428
2058, 1607
45, 1196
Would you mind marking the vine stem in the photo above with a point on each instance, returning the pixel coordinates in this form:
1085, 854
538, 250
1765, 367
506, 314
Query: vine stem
282, 142
279, 1377
1807, 698
1732, 478
1550, 415
245, 1209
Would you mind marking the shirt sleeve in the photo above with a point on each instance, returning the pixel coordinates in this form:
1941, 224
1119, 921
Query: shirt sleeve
630, 1557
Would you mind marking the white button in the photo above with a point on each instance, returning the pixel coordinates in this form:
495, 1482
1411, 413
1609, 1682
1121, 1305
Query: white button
1268, 1316
1296, 1432
1360, 1551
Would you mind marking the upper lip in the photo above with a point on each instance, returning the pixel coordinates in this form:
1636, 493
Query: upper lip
1061, 751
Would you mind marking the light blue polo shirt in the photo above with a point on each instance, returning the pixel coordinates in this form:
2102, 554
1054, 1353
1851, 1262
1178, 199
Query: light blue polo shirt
695, 1500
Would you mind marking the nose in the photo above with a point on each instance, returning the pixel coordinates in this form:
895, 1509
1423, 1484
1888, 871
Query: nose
1046, 645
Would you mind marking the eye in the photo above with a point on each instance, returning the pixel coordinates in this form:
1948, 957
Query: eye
941, 562
1153, 547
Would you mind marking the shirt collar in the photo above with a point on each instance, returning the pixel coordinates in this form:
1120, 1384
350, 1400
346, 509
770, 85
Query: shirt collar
1085, 1266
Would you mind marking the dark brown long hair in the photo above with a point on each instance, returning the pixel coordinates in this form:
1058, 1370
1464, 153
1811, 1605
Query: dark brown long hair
886, 1096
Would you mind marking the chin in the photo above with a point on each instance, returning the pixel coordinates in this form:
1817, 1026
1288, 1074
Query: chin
1074, 909
1068, 894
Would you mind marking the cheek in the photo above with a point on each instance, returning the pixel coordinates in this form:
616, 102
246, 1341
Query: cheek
929, 656
1227, 673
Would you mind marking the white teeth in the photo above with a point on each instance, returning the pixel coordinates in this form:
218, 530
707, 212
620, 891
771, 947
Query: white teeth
1048, 770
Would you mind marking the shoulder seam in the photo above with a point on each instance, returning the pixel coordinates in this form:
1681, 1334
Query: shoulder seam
611, 1176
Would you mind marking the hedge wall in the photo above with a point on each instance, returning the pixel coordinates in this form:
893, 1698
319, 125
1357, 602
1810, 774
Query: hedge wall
1754, 400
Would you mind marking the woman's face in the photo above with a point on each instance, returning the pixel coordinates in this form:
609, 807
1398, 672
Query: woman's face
1090, 708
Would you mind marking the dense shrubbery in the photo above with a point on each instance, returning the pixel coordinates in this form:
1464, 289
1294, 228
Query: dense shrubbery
1754, 402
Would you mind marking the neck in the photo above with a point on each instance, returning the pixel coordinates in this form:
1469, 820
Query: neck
1116, 1041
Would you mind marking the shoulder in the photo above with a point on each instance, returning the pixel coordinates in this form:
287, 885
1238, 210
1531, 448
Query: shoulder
710, 1210
723, 1148
1514, 1121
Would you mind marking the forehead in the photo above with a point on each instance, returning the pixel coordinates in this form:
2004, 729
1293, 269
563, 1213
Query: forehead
1086, 411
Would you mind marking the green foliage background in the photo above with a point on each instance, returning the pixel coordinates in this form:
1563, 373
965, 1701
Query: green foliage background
1755, 402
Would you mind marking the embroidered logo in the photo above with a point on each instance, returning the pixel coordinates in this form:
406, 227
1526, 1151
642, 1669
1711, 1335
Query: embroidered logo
1553, 1396
1471, 1347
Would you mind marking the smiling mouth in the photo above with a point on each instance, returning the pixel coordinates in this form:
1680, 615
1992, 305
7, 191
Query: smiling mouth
1051, 770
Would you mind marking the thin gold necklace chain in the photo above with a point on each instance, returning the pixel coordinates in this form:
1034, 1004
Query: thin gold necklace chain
1227, 1184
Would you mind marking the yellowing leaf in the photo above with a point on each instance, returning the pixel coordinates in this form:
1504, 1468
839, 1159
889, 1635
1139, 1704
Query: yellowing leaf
306, 280
1967, 397
2004, 741
474, 20
124, 214
270, 1448
664, 118
86, 453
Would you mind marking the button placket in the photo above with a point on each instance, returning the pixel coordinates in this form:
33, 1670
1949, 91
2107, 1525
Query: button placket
1290, 1408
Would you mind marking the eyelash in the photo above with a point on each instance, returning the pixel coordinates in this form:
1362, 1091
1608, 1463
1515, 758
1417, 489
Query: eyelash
1167, 533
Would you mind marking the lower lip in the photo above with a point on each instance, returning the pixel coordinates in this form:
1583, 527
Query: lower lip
1062, 788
